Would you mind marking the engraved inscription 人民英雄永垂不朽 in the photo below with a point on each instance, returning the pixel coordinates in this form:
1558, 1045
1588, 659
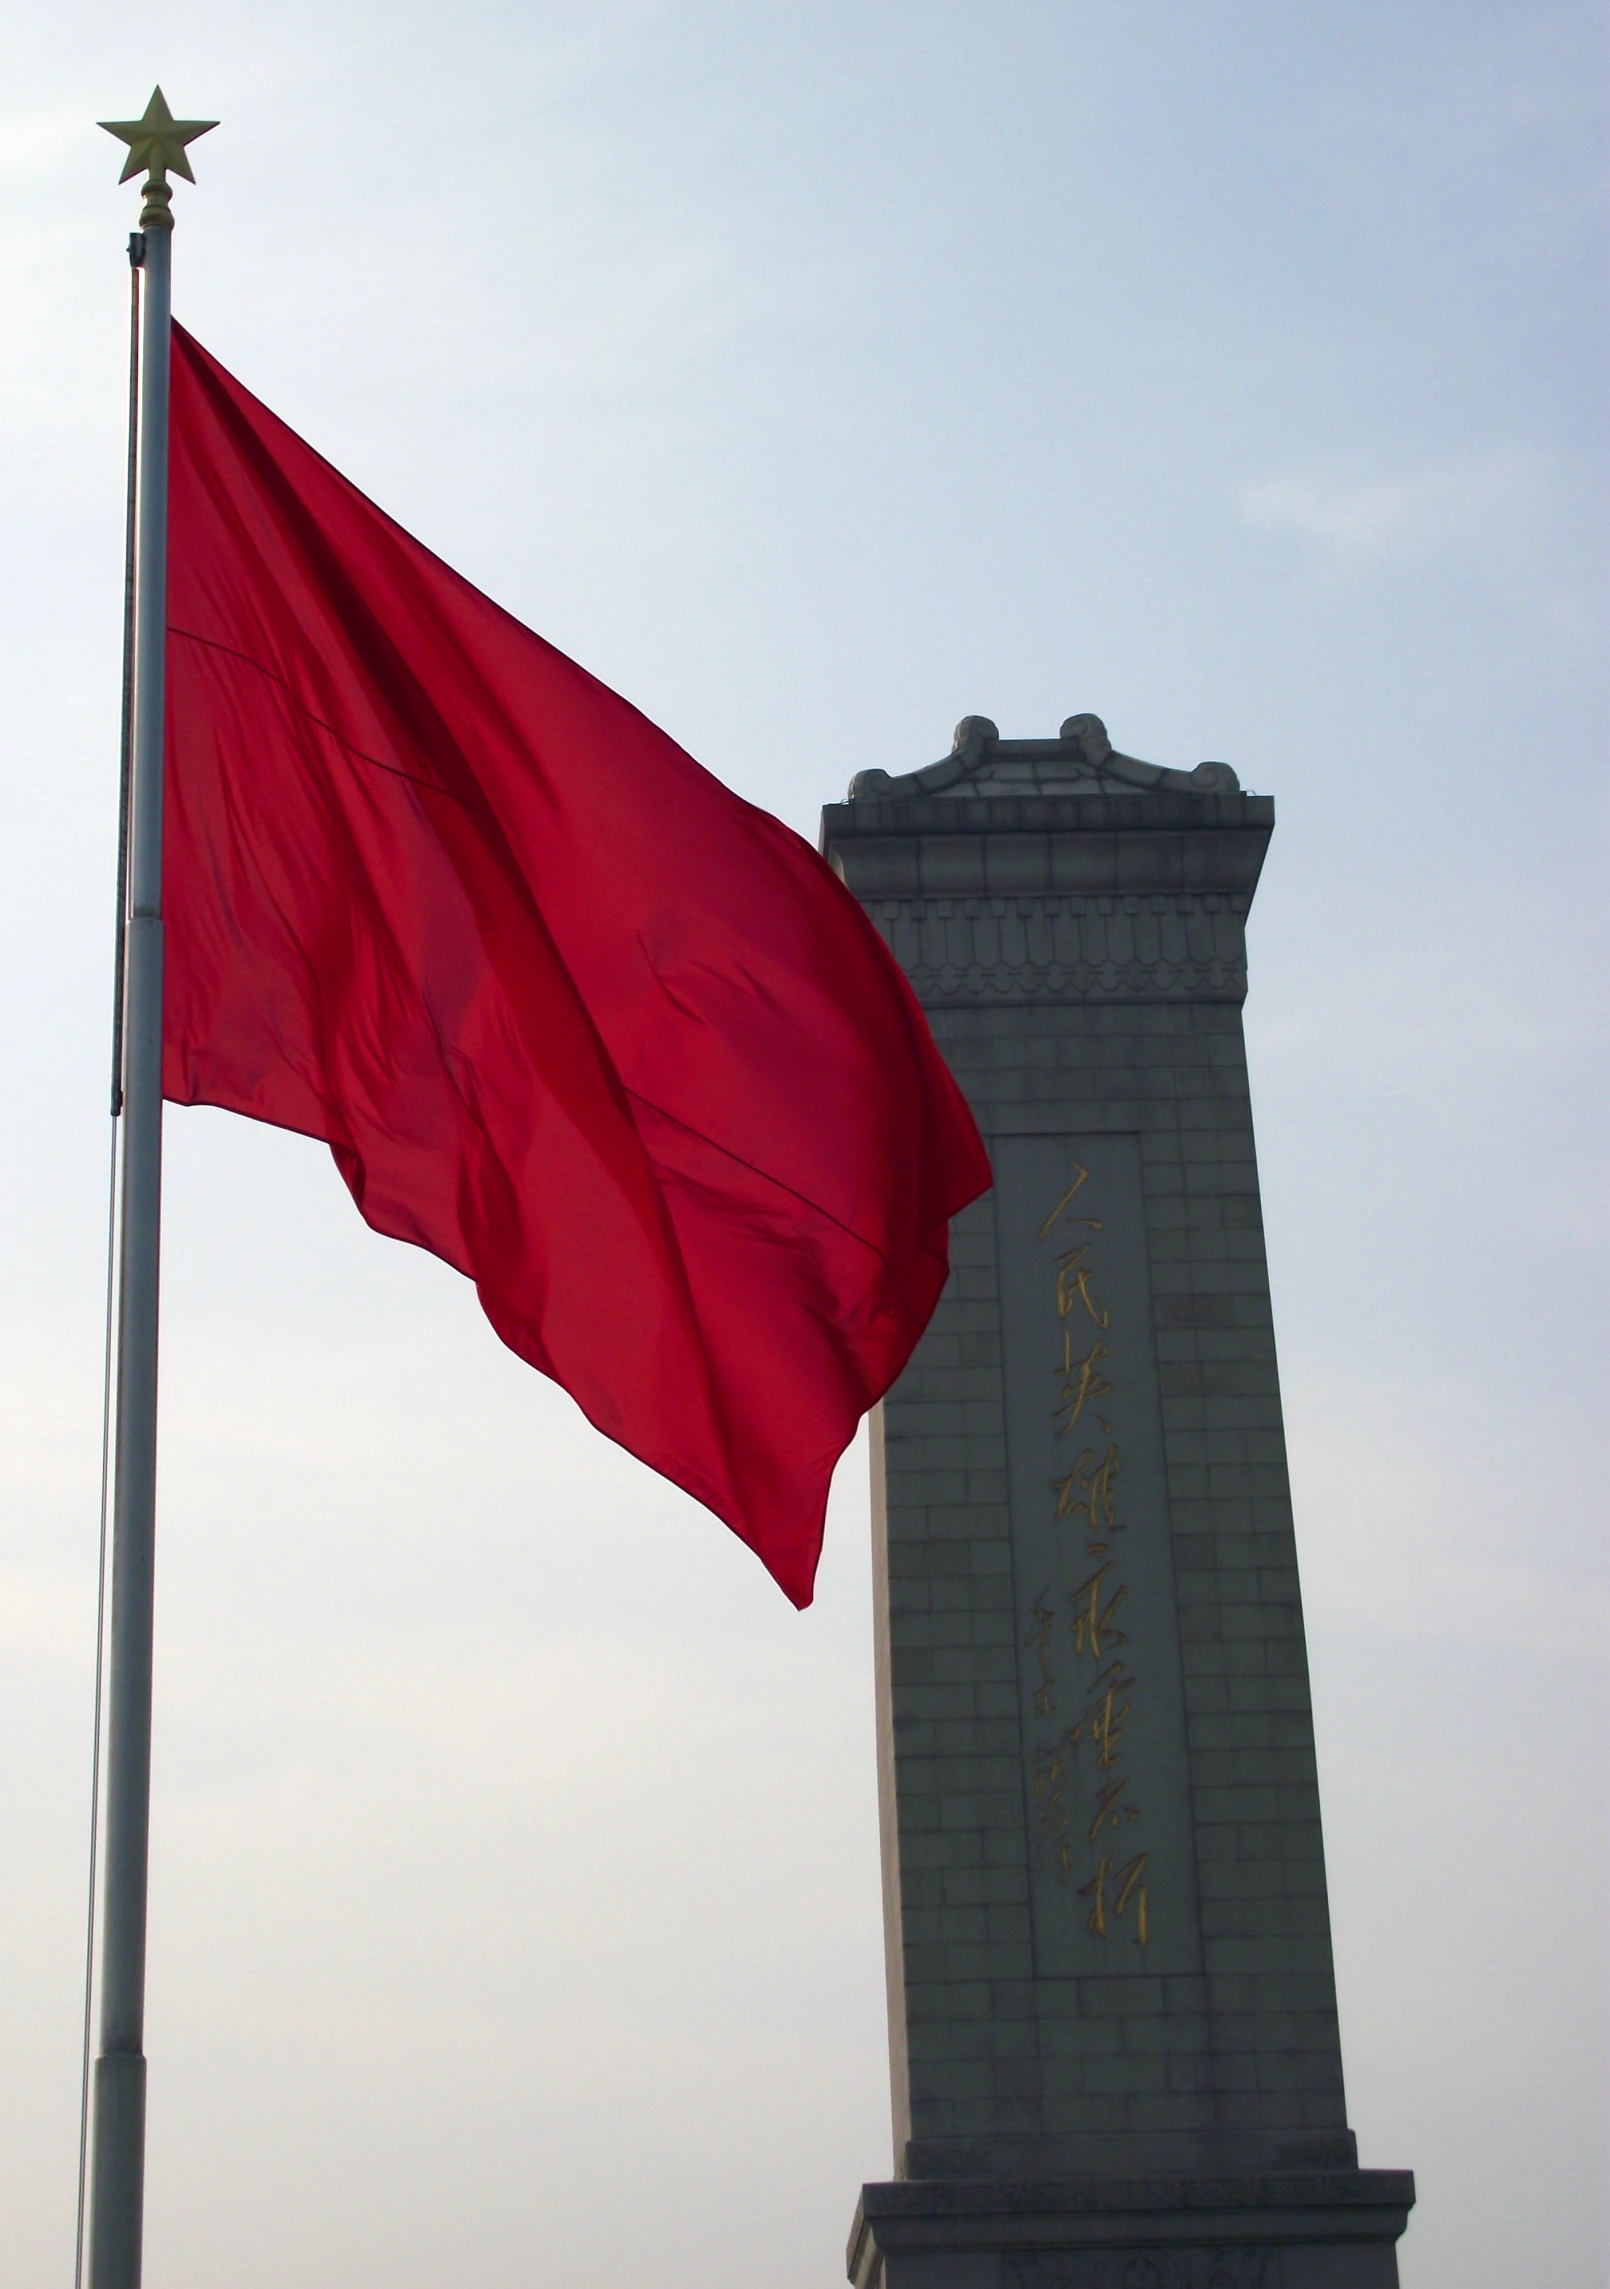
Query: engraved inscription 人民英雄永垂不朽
1089, 1813
1106, 1773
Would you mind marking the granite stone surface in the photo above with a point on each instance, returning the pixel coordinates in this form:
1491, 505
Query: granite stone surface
1108, 1945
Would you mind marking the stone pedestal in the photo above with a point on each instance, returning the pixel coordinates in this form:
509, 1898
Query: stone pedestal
1113, 2037
1290, 2230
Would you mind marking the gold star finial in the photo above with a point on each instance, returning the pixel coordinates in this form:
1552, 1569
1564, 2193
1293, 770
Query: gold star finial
156, 143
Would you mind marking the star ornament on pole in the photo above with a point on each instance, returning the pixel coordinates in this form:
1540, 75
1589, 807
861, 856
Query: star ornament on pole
156, 143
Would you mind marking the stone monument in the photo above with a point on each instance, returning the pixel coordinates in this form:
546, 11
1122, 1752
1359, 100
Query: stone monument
1112, 2010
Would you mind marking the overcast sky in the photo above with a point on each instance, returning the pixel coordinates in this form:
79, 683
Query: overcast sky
818, 374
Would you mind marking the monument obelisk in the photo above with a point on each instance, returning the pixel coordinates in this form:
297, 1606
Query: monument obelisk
1112, 2013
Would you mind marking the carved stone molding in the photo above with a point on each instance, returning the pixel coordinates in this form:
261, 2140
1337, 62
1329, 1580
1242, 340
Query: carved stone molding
1080, 758
1245, 2268
966, 951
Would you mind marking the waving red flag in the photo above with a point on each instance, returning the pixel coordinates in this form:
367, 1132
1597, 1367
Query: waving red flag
567, 1012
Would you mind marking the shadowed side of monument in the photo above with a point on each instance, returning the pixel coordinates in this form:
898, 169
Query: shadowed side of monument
1114, 2048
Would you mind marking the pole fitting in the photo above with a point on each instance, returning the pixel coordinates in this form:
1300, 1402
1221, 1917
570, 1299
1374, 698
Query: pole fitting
157, 211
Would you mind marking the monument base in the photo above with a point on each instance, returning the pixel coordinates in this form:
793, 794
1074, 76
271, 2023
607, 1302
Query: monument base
1297, 2229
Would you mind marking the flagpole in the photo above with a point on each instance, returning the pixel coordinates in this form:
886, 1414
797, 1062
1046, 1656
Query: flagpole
118, 2100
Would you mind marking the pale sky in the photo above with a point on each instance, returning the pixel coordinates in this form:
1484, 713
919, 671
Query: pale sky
818, 374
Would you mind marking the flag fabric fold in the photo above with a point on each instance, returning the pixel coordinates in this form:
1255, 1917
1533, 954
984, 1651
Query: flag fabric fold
569, 1013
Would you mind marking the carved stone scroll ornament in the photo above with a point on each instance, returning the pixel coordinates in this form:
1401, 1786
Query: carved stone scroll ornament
1081, 759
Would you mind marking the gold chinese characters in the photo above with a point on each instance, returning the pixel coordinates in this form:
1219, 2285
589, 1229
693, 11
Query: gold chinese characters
1084, 1788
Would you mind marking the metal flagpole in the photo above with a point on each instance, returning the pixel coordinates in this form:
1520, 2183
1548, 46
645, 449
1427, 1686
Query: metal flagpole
156, 143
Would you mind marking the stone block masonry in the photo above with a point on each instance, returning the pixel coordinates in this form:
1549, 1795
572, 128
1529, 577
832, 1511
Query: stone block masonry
1113, 2035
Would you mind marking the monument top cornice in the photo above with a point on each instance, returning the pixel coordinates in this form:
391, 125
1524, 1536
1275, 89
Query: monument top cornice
1047, 816
982, 766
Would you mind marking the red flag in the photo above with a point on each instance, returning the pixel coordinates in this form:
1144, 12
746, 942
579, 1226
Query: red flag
567, 1012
